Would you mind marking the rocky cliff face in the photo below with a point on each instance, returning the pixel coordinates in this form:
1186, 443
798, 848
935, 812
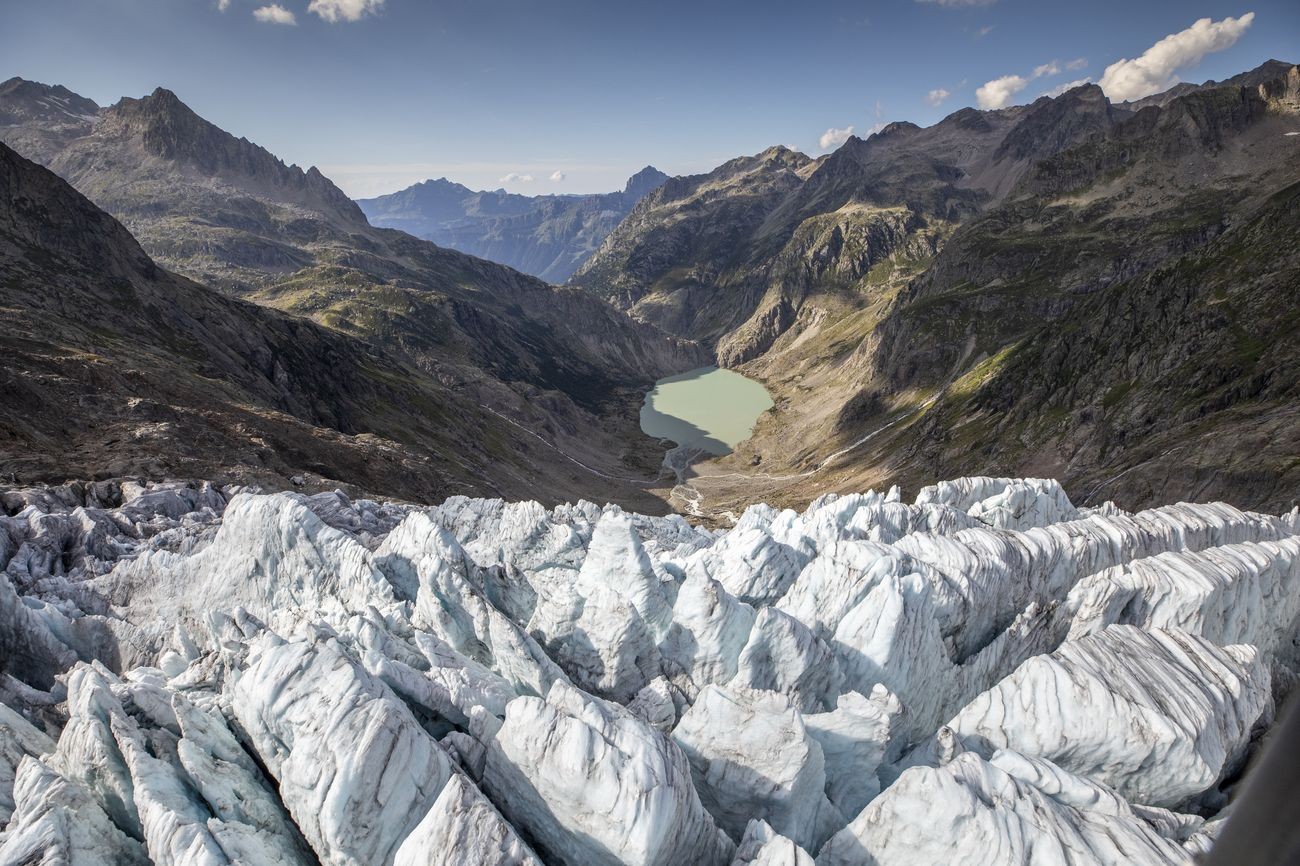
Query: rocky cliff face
548, 236
194, 672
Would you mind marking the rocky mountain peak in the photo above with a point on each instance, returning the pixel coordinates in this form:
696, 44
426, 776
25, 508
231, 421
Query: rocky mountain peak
169, 129
778, 156
442, 183
968, 118
1055, 124
898, 127
645, 180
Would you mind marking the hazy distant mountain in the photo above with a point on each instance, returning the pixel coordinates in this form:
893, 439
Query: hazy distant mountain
226, 212
916, 290
548, 236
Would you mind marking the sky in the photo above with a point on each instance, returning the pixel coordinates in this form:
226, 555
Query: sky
547, 96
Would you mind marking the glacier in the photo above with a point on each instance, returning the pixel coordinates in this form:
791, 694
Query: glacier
201, 674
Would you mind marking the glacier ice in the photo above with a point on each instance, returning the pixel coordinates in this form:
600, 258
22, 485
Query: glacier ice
1006, 810
751, 756
192, 673
1171, 713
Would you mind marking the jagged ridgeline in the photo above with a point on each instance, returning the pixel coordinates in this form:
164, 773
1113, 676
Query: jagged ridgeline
1096, 291
192, 673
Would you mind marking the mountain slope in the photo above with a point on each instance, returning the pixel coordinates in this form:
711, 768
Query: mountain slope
734, 257
226, 212
111, 366
548, 236
869, 289
1182, 382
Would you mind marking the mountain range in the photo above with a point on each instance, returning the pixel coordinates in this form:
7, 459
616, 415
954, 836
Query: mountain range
548, 236
560, 366
946, 300
921, 303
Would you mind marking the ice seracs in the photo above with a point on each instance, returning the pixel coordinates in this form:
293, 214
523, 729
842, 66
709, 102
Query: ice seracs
594, 784
763, 846
752, 756
972, 810
354, 768
1158, 716
197, 674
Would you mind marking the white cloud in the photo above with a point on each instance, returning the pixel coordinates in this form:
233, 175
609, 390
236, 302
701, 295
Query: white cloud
1154, 70
937, 96
880, 109
274, 14
515, 177
1069, 85
557, 176
834, 137
223, 5
984, 31
1077, 63
998, 92
344, 10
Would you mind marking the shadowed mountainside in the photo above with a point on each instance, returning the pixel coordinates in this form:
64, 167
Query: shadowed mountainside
114, 367
223, 211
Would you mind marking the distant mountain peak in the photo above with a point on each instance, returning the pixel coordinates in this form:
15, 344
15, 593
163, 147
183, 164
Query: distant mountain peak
168, 127
1051, 125
643, 182
165, 96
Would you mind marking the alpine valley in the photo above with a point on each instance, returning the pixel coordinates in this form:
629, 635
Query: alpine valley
328, 535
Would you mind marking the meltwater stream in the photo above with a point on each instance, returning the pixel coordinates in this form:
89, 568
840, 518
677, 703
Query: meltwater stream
708, 409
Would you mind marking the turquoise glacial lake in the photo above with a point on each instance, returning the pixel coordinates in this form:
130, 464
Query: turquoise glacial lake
709, 408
